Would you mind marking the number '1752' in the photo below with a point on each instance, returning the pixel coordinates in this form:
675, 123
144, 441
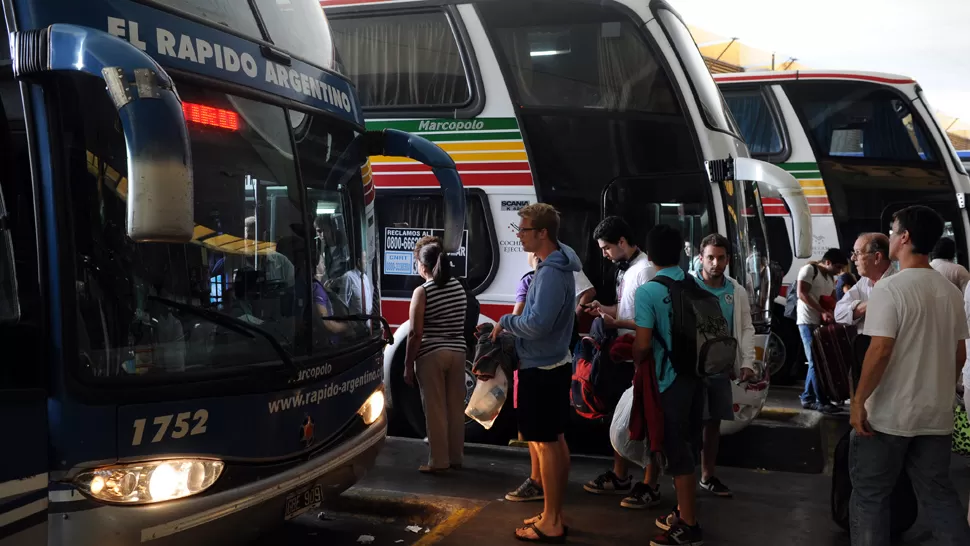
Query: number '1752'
181, 429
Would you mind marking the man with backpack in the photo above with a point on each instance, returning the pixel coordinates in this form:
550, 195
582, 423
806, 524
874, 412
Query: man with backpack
902, 411
681, 329
615, 239
815, 306
719, 399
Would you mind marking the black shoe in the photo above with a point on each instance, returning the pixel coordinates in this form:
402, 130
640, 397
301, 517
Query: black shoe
827, 409
668, 521
528, 491
642, 496
715, 486
609, 483
680, 534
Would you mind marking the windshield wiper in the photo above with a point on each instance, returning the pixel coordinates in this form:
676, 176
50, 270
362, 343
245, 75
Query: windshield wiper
232, 323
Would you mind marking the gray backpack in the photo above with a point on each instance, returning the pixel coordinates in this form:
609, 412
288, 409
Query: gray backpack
700, 336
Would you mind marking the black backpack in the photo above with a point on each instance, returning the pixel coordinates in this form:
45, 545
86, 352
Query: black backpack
791, 299
699, 332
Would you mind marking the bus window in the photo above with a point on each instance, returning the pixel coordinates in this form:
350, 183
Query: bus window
709, 98
294, 26
857, 119
756, 120
404, 216
403, 61
579, 56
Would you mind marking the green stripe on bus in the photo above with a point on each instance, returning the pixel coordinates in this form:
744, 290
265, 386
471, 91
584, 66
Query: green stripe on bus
799, 166
436, 125
804, 175
472, 137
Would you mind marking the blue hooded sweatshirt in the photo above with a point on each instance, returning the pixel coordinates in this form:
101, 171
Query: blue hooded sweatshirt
543, 330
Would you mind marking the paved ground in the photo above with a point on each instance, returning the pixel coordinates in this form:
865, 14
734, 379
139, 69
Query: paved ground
467, 507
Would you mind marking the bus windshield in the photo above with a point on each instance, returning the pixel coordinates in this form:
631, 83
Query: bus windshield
275, 244
847, 119
294, 25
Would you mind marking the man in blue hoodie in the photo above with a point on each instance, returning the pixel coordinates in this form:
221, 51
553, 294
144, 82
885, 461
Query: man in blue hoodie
542, 334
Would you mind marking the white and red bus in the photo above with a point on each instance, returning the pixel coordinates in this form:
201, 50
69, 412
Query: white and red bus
597, 108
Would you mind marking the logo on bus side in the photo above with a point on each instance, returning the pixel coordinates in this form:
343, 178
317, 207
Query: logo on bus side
451, 125
514, 206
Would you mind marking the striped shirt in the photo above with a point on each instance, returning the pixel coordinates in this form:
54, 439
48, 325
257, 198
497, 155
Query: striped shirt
444, 317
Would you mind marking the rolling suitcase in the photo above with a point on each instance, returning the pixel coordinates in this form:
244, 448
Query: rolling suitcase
834, 354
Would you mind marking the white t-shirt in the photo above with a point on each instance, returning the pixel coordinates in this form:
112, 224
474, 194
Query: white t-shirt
955, 273
923, 312
822, 285
640, 272
582, 283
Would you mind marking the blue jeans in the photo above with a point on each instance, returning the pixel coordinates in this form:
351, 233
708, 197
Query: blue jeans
813, 389
874, 466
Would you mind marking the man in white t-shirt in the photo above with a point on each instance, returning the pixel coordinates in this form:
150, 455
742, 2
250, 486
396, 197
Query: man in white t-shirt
943, 260
614, 237
816, 302
902, 411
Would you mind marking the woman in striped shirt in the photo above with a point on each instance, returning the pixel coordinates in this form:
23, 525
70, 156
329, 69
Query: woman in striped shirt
436, 354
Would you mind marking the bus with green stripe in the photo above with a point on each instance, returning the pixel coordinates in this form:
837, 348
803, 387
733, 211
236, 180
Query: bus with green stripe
597, 108
862, 145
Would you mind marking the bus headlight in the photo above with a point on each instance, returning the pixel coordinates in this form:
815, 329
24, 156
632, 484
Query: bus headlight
154, 481
373, 408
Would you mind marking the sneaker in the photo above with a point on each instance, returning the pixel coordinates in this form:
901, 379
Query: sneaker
668, 521
715, 486
609, 483
828, 409
642, 496
680, 534
528, 491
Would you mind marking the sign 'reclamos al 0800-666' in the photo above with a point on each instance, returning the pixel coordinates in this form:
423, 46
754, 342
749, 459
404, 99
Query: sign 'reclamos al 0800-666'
399, 252
183, 44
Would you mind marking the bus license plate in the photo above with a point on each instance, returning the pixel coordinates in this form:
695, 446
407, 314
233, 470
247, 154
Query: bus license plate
303, 501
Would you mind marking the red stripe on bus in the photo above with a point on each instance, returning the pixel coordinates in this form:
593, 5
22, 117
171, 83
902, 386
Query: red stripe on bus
462, 167
421, 179
396, 311
804, 76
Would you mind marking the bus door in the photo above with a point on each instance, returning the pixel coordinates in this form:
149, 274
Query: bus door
23, 397
678, 200
952, 215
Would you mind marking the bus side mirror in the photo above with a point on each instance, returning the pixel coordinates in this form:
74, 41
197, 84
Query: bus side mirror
391, 142
779, 181
159, 193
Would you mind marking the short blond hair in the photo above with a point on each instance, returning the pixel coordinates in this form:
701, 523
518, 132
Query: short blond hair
543, 216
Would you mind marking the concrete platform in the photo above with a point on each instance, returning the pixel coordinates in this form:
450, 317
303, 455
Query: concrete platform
768, 508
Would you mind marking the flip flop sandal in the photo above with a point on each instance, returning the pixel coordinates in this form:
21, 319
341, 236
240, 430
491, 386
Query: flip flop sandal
565, 528
541, 537
425, 469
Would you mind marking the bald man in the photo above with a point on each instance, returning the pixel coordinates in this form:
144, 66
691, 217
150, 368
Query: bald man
870, 253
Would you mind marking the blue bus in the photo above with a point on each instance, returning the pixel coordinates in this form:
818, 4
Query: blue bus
189, 299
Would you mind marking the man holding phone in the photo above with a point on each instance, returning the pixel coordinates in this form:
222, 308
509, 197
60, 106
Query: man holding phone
615, 239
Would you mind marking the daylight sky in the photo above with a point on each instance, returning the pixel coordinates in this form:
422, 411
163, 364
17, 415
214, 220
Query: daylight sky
928, 40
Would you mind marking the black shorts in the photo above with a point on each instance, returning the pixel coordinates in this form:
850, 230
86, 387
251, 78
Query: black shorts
543, 410
683, 407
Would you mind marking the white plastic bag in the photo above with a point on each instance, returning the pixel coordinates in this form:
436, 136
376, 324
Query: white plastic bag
634, 451
488, 398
